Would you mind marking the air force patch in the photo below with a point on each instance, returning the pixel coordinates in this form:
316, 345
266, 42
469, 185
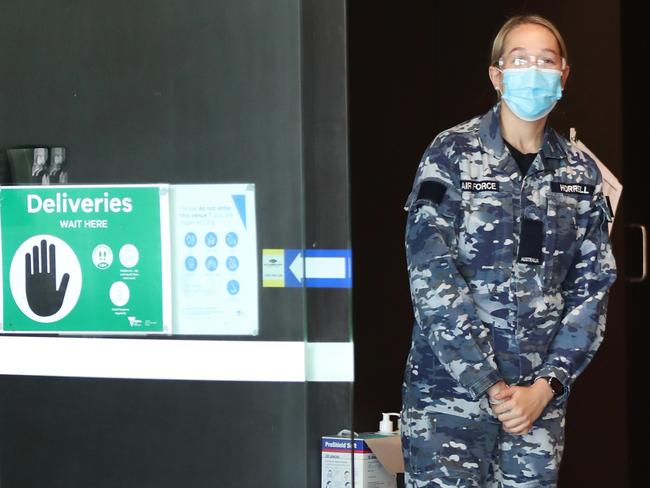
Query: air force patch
485, 185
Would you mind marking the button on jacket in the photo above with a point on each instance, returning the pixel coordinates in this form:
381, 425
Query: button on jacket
509, 274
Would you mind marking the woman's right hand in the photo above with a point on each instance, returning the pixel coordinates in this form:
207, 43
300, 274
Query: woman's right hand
494, 389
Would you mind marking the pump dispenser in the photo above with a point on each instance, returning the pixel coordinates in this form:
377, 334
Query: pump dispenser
386, 424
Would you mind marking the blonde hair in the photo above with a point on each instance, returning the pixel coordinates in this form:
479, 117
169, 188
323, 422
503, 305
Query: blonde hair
515, 21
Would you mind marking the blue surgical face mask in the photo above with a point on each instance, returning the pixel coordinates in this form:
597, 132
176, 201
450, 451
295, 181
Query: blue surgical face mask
531, 93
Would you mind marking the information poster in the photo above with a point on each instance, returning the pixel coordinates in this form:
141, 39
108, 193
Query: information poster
214, 259
85, 259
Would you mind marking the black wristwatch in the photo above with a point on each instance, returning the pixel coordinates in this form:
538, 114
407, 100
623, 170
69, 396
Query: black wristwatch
556, 385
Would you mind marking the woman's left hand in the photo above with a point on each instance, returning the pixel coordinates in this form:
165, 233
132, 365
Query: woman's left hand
522, 406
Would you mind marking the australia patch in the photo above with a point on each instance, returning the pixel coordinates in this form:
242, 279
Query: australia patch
484, 185
531, 240
580, 188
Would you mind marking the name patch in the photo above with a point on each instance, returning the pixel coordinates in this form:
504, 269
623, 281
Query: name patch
485, 185
580, 188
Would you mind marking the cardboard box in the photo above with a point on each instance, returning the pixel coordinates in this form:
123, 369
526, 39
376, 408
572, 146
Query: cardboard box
336, 470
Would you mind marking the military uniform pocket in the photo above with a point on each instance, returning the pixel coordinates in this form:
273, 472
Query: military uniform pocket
418, 440
451, 446
561, 233
486, 233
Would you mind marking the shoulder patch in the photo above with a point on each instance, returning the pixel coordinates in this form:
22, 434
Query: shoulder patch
431, 190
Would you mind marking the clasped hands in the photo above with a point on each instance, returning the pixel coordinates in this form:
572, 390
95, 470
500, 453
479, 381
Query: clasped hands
519, 406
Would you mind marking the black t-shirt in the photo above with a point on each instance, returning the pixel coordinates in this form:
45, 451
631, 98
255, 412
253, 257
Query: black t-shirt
523, 160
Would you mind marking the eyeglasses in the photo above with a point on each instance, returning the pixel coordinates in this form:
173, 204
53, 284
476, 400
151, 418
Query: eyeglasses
521, 60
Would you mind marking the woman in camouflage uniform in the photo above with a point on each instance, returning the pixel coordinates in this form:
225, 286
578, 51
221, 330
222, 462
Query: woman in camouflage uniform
510, 264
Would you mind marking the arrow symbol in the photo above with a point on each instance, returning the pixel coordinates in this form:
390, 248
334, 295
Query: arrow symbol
296, 267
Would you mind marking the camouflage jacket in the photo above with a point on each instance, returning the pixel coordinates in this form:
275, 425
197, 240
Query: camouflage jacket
509, 274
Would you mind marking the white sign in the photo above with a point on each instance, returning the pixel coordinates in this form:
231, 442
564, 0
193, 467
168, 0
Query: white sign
214, 243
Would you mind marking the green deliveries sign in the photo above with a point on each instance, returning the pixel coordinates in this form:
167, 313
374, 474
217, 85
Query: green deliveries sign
85, 259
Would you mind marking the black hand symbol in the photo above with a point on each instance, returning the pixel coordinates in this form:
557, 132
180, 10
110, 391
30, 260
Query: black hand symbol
40, 283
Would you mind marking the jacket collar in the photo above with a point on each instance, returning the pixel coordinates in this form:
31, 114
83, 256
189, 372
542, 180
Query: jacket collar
553, 146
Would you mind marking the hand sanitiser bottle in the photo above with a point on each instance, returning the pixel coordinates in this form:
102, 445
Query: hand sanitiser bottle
386, 424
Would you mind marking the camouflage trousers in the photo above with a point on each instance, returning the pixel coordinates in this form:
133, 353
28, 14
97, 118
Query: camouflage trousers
445, 450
